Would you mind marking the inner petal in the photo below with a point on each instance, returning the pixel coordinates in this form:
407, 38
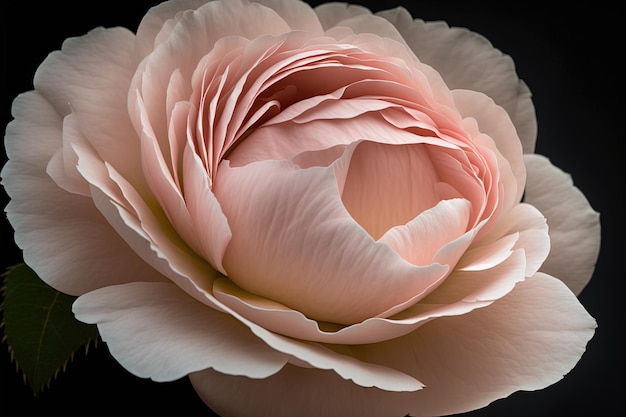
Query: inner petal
390, 185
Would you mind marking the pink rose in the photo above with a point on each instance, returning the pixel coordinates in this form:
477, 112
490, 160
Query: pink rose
307, 211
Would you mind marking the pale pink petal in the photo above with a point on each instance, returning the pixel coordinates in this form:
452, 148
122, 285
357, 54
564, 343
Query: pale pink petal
477, 286
144, 227
493, 121
62, 166
32, 141
531, 229
467, 60
487, 255
377, 36
314, 355
287, 139
209, 221
154, 21
388, 186
461, 293
149, 237
196, 216
368, 23
194, 34
574, 226
521, 342
331, 13
298, 15
87, 253
421, 239
310, 355
90, 78
288, 212
156, 331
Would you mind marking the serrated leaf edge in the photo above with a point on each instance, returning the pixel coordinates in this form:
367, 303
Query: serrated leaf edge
86, 344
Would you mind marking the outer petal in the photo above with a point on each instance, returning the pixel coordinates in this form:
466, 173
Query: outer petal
87, 252
521, 342
573, 224
154, 20
155, 330
332, 13
298, 15
467, 60
90, 77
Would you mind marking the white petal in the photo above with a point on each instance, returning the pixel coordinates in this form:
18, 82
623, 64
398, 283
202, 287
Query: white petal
332, 13
522, 342
298, 15
157, 331
81, 251
574, 226
90, 77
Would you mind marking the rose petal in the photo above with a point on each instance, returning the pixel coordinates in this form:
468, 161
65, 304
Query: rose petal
288, 212
361, 373
531, 229
196, 216
192, 37
388, 186
467, 60
298, 15
87, 252
466, 362
290, 138
90, 77
492, 120
144, 227
574, 226
154, 21
421, 239
468, 291
155, 330
330, 14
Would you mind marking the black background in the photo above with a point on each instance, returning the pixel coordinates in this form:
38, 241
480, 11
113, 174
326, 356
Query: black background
570, 58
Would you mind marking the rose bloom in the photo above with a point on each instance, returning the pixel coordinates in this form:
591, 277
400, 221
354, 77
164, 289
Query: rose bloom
308, 211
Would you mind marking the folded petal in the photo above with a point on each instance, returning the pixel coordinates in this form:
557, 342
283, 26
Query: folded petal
467, 60
294, 242
420, 240
192, 36
196, 215
574, 226
87, 252
527, 226
462, 292
494, 122
154, 21
298, 15
388, 186
90, 77
157, 331
521, 342
331, 13
144, 227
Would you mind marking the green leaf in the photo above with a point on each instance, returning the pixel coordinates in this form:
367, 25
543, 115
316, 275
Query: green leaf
39, 327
